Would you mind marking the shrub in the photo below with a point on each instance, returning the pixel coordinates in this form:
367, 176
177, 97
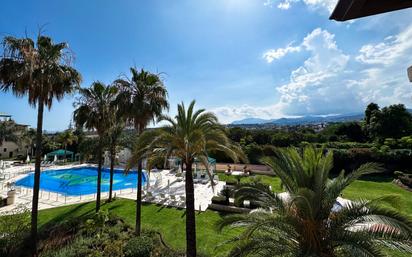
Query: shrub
406, 179
219, 200
14, 228
139, 247
226, 192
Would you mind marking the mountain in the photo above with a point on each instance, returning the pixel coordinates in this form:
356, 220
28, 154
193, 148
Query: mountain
309, 119
250, 121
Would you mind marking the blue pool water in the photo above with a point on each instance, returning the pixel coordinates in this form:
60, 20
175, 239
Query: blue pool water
80, 181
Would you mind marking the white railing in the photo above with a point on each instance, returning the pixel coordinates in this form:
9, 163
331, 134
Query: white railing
50, 197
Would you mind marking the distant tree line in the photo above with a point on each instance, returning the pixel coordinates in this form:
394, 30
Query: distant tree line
384, 135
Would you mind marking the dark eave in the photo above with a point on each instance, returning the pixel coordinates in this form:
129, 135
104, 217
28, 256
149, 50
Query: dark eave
353, 9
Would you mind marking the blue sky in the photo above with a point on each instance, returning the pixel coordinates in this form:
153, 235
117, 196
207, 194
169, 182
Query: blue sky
237, 58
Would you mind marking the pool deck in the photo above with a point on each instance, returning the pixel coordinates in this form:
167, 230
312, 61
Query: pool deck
163, 185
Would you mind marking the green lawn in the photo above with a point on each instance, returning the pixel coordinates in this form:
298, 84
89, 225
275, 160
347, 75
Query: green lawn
171, 222
367, 189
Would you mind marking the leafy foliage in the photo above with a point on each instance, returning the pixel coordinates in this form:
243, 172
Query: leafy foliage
191, 134
306, 223
14, 228
139, 247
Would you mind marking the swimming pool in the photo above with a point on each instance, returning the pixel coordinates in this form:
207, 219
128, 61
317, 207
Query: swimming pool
81, 180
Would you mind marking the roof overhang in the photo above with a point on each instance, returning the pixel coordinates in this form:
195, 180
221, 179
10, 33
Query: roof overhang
353, 9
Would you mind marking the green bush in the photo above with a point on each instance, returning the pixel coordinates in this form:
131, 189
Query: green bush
139, 247
14, 228
220, 200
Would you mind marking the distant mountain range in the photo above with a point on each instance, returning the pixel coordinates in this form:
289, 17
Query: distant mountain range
309, 119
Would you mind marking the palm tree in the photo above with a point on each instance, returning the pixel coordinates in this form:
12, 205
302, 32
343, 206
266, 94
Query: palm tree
307, 221
8, 131
94, 110
67, 138
141, 100
42, 71
189, 136
114, 134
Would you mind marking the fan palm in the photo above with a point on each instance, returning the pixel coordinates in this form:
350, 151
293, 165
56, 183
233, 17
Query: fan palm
94, 110
308, 222
141, 100
189, 136
42, 72
67, 138
115, 131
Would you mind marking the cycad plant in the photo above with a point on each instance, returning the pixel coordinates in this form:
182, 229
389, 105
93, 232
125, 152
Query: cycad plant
188, 136
305, 221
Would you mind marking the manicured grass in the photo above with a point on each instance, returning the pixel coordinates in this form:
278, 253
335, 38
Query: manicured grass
171, 222
366, 189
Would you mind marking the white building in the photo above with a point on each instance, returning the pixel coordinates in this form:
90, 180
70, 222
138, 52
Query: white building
11, 150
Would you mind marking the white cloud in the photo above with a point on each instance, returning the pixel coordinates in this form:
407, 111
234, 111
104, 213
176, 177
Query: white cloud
312, 87
332, 81
323, 5
276, 54
227, 114
388, 51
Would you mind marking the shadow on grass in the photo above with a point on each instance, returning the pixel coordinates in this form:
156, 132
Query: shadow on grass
377, 178
68, 214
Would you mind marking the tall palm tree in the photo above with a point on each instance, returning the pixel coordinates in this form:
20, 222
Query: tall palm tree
94, 110
114, 134
67, 138
8, 131
141, 100
189, 136
308, 221
41, 71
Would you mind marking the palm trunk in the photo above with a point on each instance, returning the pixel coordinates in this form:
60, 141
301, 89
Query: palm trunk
36, 185
139, 198
190, 213
139, 190
112, 159
99, 174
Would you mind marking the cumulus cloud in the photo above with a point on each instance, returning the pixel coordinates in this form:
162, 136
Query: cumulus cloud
276, 54
312, 86
388, 51
327, 5
384, 77
332, 81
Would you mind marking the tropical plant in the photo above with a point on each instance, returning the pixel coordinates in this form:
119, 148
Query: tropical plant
14, 226
189, 136
94, 110
67, 138
141, 100
308, 221
8, 132
42, 72
114, 135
